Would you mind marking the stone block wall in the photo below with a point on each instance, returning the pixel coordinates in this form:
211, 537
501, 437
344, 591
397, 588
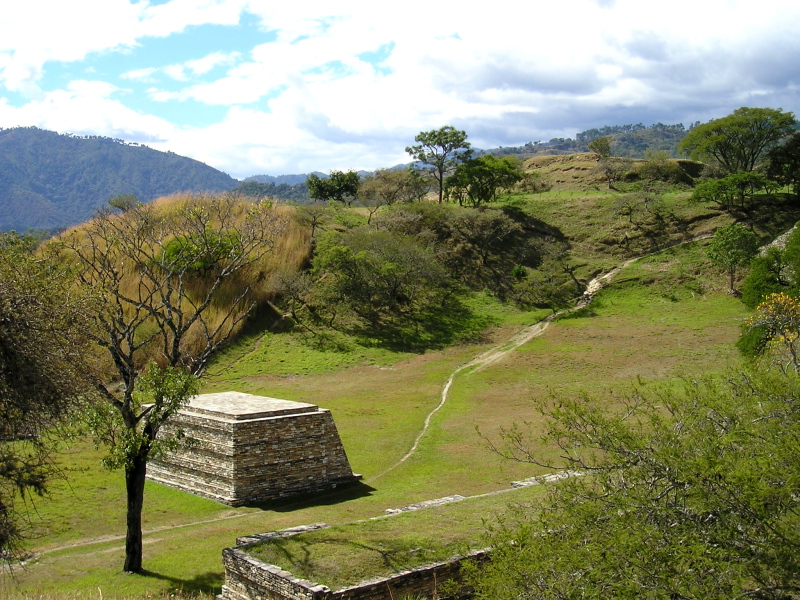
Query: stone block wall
248, 578
251, 448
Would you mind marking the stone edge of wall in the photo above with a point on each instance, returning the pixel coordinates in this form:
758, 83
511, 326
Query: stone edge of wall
248, 578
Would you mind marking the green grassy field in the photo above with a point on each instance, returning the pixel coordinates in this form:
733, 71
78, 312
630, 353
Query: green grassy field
347, 554
665, 316
635, 330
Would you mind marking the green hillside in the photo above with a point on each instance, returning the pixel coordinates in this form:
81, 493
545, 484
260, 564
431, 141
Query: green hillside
478, 331
52, 181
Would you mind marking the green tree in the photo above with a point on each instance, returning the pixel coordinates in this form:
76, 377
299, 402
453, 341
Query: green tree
714, 191
732, 246
42, 376
730, 191
315, 216
783, 163
157, 305
442, 150
481, 247
383, 277
548, 286
739, 141
601, 146
340, 186
746, 184
479, 180
690, 493
391, 186
769, 274
123, 202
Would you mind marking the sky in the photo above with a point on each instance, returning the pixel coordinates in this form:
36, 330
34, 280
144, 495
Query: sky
266, 87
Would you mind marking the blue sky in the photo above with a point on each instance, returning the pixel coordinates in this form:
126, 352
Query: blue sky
262, 87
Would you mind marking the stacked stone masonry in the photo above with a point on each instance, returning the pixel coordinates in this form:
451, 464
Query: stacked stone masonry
247, 578
249, 449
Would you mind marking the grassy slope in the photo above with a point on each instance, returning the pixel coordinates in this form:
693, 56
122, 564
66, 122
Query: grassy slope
664, 316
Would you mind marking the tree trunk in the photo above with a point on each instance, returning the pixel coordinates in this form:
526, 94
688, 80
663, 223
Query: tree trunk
134, 484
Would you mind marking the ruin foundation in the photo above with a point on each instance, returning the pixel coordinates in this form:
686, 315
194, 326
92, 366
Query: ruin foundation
248, 578
251, 449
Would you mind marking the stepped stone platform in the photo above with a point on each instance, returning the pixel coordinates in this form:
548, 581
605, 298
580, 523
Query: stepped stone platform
250, 449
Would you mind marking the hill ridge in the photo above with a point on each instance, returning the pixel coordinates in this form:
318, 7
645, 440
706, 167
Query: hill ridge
50, 180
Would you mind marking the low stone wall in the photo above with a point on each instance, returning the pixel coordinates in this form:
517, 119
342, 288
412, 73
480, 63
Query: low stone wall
248, 578
250, 449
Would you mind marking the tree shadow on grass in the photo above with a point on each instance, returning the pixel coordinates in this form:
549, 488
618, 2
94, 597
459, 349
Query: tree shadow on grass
205, 583
430, 328
532, 224
211, 581
771, 214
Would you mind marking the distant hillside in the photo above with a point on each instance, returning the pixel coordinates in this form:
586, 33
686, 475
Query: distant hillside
297, 192
293, 179
285, 187
283, 179
50, 181
626, 140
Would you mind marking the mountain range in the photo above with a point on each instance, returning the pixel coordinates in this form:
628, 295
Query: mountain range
52, 181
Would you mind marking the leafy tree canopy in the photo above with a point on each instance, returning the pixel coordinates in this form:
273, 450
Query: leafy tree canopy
340, 186
442, 149
731, 247
739, 141
391, 186
689, 493
479, 180
42, 375
733, 190
602, 146
783, 163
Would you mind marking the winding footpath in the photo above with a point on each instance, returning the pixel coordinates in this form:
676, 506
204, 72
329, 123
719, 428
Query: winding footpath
494, 354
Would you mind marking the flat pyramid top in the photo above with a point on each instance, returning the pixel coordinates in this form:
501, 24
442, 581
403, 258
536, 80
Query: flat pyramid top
239, 406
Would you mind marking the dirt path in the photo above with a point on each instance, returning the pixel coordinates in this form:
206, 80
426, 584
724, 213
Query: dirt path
498, 352
494, 354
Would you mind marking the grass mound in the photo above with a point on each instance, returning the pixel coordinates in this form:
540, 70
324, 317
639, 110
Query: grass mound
345, 555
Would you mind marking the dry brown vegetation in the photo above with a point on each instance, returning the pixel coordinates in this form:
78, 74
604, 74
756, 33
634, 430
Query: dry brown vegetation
291, 247
569, 172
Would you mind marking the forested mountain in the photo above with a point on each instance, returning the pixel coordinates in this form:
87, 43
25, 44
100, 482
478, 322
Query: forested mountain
291, 188
283, 179
630, 140
50, 181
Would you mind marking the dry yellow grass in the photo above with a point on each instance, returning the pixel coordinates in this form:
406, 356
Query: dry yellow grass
290, 251
569, 172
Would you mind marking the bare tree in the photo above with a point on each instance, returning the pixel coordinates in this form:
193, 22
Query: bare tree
176, 285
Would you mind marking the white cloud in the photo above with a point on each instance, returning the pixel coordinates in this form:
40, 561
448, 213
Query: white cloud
87, 107
162, 20
145, 74
309, 100
37, 31
201, 66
